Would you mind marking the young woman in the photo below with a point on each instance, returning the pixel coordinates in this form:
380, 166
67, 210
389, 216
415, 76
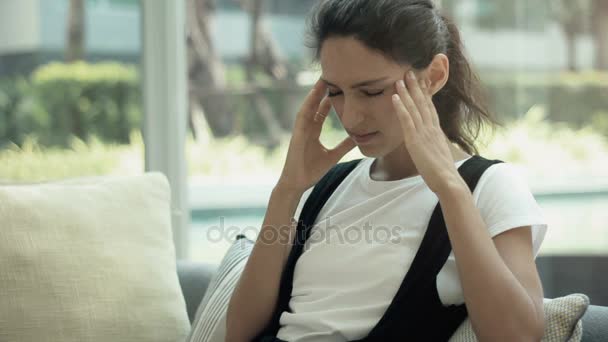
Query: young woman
420, 234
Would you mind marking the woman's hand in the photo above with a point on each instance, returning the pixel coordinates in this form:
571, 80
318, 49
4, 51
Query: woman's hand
425, 141
307, 159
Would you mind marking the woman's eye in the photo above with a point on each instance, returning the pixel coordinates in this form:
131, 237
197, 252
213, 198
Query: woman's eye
330, 94
374, 94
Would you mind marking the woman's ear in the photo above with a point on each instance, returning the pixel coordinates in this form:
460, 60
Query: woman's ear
438, 72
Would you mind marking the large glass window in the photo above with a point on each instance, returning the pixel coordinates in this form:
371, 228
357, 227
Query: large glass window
70, 102
242, 108
70, 99
543, 65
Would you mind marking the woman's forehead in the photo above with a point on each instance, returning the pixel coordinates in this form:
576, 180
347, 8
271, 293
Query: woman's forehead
351, 49
348, 59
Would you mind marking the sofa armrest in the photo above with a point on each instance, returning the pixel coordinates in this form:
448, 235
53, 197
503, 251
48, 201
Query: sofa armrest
595, 324
194, 278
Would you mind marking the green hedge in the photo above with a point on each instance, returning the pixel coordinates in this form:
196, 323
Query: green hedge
62, 101
17, 114
85, 100
577, 99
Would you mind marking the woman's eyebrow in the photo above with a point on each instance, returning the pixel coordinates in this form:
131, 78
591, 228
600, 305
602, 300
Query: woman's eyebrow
359, 84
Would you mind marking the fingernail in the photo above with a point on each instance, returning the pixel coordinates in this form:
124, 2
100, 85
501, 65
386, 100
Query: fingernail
401, 83
411, 75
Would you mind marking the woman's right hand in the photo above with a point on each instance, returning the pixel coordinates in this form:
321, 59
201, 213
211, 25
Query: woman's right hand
307, 159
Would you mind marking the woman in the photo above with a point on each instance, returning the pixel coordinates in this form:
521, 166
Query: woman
463, 231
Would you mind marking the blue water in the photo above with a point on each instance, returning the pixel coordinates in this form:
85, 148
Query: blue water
577, 226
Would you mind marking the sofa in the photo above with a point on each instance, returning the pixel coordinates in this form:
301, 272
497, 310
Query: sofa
195, 276
69, 271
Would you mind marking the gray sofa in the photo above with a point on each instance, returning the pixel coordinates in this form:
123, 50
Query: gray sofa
194, 278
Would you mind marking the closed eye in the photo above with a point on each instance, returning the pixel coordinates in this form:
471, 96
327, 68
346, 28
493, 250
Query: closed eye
330, 94
374, 94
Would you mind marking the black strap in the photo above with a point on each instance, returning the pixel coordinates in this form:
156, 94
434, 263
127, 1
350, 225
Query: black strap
417, 302
435, 243
313, 205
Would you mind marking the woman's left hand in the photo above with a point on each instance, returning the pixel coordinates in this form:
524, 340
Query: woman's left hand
425, 141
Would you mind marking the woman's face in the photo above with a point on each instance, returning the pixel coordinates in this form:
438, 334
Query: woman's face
363, 108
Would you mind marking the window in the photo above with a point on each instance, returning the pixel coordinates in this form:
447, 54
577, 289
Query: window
60, 119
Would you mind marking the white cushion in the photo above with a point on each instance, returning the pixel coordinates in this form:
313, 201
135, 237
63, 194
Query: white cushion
210, 322
89, 260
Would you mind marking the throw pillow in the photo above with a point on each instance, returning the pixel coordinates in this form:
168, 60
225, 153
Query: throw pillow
89, 260
562, 320
210, 322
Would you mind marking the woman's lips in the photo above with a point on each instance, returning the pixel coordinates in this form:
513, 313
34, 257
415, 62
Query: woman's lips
365, 138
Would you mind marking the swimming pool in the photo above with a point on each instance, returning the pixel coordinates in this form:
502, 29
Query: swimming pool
578, 225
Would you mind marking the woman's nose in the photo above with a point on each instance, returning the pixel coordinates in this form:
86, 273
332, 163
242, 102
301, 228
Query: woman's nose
351, 115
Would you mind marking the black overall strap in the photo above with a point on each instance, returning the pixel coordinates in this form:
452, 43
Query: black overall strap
313, 205
416, 312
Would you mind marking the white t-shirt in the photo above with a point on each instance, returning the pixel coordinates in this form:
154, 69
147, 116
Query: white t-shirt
365, 239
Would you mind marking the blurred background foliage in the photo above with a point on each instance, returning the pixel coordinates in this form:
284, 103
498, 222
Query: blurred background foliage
242, 104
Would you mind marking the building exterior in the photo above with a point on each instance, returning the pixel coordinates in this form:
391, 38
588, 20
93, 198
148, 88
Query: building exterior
32, 32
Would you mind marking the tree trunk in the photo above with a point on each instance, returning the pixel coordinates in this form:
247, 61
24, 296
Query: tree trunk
570, 14
206, 74
11, 131
74, 51
270, 60
571, 51
261, 57
265, 52
599, 22
75, 31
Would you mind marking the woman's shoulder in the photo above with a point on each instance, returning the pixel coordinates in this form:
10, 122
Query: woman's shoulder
504, 182
492, 170
502, 174
506, 201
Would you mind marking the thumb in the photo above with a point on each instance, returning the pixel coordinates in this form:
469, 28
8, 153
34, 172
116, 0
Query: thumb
342, 149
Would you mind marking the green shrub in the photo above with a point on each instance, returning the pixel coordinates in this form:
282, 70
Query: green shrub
572, 98
86, 100
542, 146
61, 101
17, 117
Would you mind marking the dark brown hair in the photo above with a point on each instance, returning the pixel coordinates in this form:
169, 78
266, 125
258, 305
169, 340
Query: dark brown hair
411, 32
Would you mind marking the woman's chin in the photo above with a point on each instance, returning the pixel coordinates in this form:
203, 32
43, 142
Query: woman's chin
370, 151
377, 150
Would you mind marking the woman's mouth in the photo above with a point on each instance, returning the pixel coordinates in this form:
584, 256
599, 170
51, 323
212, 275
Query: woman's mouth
362, 139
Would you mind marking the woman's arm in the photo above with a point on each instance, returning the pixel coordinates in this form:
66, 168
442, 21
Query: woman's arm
501, 287
254, 298
502, 290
